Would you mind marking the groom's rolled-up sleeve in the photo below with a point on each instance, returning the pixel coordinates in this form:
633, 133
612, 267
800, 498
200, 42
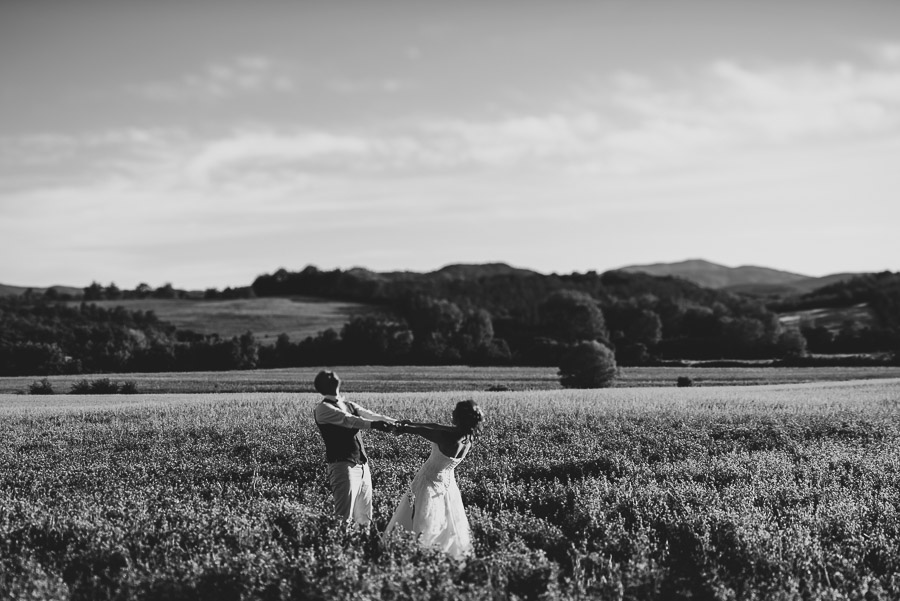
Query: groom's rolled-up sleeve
371, 415
329, 414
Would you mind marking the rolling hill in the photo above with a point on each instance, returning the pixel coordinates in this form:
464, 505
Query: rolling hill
7, 290
746, 279
791, 289
713, 275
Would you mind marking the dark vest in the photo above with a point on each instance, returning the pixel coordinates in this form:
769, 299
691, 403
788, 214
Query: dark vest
342, 444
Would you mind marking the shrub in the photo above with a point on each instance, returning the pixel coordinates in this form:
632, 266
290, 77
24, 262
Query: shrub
103, 386
684, 381
81, 387
128, 388
41, 387
588, 364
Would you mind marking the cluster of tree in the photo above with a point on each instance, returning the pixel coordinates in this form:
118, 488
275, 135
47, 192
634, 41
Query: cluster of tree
97, 291
871, 288
537, 318
880, 292
435, 332
850, 338
498, 316
39, 337
229, 293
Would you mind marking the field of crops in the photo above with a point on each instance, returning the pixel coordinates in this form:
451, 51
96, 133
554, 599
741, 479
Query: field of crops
298, 317
744, 492
449, 378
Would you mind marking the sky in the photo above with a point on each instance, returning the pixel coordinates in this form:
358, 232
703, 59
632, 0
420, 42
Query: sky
203, 143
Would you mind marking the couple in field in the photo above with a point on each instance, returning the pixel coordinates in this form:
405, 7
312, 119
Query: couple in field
432, 506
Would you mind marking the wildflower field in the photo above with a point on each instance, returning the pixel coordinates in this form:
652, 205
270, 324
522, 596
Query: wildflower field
788, 491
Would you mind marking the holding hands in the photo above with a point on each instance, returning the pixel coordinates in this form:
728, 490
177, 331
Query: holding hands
383, 426
396, 428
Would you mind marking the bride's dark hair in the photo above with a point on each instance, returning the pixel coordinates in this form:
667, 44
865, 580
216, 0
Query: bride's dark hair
468, 416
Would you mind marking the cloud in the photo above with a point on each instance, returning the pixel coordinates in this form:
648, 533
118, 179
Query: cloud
249, 148
50, 160
885, 52
746, 104
388, 85
632, 122
806, 100
511, 139
242, 75
629, 125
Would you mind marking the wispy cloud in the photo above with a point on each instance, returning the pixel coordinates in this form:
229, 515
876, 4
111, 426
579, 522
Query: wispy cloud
627, 124
631, 122
886, 52
242, 75
730, 105
388, 85
244, 149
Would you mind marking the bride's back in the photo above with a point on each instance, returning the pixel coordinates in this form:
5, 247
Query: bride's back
454, 446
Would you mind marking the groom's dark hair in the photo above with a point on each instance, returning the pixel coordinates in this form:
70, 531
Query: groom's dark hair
326, 382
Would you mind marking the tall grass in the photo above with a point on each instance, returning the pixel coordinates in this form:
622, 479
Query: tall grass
774, 492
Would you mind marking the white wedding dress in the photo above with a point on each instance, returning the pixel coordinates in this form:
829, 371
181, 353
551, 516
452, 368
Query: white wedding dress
433, 507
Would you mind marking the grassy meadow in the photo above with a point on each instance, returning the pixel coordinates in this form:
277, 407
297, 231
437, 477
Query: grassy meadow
298, 317
380, 378
787, 491
832, 318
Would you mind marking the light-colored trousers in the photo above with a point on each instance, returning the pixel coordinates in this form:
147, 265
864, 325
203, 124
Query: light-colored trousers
351, 486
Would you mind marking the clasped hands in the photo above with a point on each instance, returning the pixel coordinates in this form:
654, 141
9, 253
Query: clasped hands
393, 428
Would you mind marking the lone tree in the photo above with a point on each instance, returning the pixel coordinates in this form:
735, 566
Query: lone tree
588, 364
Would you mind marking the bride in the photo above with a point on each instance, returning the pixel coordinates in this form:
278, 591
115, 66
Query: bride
432, 507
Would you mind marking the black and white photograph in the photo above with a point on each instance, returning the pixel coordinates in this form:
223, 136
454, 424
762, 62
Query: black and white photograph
449, 300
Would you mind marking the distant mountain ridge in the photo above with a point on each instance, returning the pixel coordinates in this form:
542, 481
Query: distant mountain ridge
713, 275
479, 270
7, 290
747, 279
454, 271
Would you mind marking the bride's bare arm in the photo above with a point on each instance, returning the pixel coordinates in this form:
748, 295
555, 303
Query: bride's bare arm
429, 425
433, 432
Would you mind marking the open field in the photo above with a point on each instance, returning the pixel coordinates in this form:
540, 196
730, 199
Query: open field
298, 317
449, 378
787, 491
831, 318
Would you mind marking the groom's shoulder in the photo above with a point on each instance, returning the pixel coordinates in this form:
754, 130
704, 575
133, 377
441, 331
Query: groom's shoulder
326, 404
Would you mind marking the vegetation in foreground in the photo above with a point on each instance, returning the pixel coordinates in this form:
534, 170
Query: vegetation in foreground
789, 492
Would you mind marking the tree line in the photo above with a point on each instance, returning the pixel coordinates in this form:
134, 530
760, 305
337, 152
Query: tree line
534, 319
879, 292
476, 317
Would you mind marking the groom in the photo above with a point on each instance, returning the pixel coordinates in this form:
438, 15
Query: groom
340, 422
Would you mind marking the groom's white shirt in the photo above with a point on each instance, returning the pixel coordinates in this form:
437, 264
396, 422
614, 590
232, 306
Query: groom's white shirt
338, 414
